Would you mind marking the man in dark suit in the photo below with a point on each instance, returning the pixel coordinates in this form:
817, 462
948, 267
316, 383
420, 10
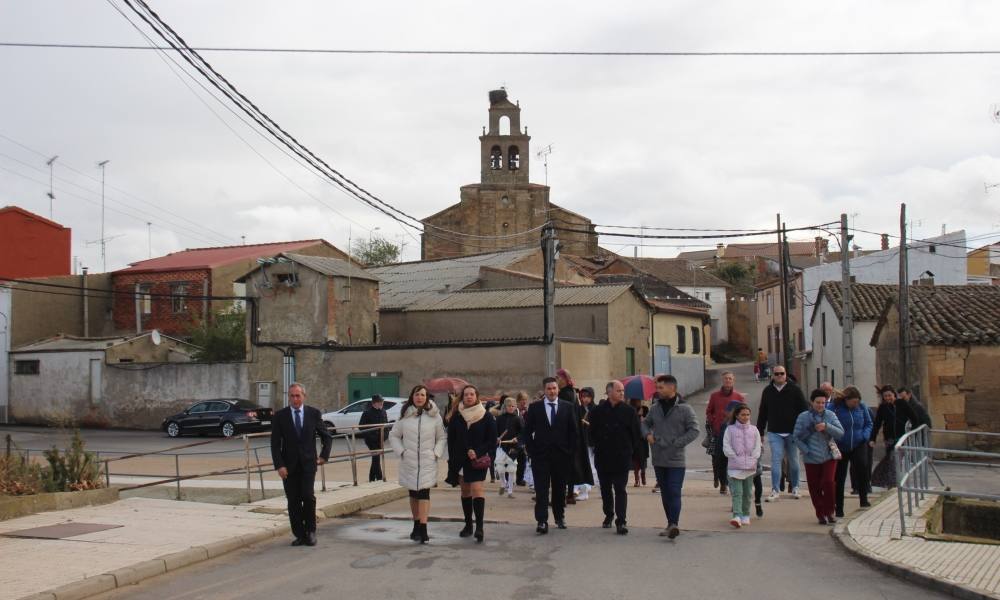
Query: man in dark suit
549, 435
614, 429
374, 437
293, 451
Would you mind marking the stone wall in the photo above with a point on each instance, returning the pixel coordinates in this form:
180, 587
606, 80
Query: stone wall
960, 388
741, 318
39, 312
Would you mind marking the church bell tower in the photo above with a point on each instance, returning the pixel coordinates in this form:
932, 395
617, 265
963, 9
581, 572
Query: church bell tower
504, 146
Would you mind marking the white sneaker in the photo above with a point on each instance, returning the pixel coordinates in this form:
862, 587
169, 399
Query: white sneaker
773, 497
796, 494
510, 494
735, 522
583, 496
744, 521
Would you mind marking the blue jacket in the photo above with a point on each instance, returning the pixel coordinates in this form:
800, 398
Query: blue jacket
857, 425
815, 445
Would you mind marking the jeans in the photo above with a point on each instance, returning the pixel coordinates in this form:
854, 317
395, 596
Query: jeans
820, 478
671, 480
741, 490
780, 447
614, 495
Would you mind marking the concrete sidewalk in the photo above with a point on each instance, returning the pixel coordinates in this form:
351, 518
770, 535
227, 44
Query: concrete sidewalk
148, 537
960, 569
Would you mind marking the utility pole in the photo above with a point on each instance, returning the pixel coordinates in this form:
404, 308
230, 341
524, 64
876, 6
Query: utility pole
51, 194
104, 256
783, 346
549, 254
904, 301
847, 341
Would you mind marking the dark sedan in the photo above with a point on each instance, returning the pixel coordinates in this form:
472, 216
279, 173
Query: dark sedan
226, 416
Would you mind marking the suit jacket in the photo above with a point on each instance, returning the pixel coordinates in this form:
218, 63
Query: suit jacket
616, 435
295, 452
372, 436
544, 441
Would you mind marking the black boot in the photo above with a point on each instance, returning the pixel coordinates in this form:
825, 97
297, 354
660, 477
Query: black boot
415, 534
423, 537
479, 506
467, 510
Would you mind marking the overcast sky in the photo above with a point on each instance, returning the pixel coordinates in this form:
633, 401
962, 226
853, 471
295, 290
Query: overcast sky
710, 142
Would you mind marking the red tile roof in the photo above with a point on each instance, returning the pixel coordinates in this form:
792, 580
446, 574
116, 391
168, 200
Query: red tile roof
209, 258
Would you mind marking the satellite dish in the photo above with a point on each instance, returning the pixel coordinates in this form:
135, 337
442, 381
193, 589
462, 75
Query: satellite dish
155, 336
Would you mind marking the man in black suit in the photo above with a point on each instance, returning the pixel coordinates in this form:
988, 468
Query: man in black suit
293, 451
614, 429
374, 437
549, 435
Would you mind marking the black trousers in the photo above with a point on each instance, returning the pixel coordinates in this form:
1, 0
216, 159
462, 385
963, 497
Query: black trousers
522, 462
614, 494
857, 461
551, 475
720, 466
375, 472
301, 501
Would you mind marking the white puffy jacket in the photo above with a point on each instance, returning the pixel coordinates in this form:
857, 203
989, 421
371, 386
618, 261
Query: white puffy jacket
420, 442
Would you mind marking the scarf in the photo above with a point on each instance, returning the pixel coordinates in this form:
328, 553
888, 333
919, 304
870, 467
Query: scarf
472, 414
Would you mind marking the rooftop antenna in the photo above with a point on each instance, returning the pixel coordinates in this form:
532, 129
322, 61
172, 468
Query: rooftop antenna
104, 255
104, 242
51, 194
544, 155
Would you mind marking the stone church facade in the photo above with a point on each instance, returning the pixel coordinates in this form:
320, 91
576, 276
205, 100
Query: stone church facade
504, 210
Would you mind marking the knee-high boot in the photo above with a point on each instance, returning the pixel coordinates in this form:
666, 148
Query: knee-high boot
467, 511
479, 506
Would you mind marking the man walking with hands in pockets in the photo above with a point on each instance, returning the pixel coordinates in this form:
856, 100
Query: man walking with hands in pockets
293, 451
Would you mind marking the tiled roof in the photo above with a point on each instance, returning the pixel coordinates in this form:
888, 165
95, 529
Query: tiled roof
334, 267
948, 315
406, 284
207, 258
677, 308
769, 249
653, 288
867, 299
580, 295
676, 272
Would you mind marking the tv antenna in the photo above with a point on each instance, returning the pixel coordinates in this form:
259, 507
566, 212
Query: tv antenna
104, 242
544, 155
51, 194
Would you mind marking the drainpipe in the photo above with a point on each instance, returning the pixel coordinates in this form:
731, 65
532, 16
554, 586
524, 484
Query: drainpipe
83, 296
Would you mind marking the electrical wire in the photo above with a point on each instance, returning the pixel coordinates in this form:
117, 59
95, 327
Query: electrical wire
689, 237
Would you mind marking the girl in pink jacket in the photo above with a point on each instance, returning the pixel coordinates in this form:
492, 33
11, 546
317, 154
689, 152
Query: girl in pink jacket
741, 445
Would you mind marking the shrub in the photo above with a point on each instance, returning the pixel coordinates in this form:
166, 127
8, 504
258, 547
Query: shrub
18, 477
72, 470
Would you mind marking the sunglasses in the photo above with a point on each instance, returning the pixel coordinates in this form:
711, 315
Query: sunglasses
779, 373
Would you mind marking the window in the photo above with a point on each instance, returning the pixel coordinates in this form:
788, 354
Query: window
496, 158
770, 337
770, 302
822, 325
630, 361
708, 295
695, 341
681, 339
178, 297
792, 300
144, 298
802, 341
778, 346
27, 367
833, 377
513, 158
218, 407
199, 408
504, 125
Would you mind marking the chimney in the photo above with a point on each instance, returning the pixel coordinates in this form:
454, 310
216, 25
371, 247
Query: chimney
820, 247
885, 241
720, 250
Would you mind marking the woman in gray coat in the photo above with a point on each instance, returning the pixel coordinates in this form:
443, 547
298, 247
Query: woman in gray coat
816, 433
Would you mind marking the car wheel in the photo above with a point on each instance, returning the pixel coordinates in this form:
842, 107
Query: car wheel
228, 429
330, 427
173, 429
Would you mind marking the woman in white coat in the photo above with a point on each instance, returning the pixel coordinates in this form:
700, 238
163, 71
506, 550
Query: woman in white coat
419, 440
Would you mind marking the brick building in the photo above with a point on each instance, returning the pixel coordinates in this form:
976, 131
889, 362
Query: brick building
31, 245
504, 203
156, 292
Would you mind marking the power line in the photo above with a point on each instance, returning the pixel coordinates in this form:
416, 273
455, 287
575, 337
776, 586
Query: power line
685, 237
584, 53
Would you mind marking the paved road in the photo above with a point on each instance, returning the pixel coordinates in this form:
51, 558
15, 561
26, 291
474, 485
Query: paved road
372, 559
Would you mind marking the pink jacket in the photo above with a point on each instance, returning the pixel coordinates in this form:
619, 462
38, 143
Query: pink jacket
741, 444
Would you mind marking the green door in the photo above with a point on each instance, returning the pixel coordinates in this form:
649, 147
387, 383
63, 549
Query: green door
364, 385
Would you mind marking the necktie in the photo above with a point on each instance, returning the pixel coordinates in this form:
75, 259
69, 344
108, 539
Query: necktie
552, 413
298, 422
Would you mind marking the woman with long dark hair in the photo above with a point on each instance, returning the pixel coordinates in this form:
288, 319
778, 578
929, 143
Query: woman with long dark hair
418, 438
891, 418
472, 443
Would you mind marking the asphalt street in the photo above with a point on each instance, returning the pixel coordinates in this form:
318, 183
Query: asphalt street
358, 558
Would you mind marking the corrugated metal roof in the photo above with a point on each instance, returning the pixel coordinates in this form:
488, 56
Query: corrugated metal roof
406, 284
333, 267
581, 295
207, 258
71, 343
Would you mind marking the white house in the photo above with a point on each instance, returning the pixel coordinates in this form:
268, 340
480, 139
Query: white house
942, 258
826, 362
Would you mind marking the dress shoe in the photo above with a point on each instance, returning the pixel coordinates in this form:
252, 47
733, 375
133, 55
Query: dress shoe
571, 499
311, 538
622, 530
542, 528
561, 524
607, 523
298, 542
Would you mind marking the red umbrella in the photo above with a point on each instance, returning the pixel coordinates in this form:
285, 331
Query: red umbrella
639, 386
445, 385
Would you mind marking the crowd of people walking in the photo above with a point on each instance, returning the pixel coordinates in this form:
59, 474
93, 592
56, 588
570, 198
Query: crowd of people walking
565, 443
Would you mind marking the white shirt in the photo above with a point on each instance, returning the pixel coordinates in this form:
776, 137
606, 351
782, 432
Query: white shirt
551, 408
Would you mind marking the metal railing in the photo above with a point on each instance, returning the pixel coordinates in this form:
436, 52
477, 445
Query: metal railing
915, 461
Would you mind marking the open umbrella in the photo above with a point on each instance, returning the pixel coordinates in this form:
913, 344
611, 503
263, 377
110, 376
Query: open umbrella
639, 386
445, 385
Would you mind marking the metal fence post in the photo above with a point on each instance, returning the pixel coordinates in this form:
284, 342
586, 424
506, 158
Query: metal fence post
246, 451
381, 451
107, 473
260, 473
177, 471
354, 457
899, 496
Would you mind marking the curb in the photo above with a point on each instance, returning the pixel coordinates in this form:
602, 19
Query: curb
911, 575
106, 582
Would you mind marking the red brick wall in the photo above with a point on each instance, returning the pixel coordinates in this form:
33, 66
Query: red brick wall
163, 317
30, 247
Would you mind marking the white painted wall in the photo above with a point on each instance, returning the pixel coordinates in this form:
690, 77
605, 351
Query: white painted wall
716, 297
4, 354
948, 263
829, 358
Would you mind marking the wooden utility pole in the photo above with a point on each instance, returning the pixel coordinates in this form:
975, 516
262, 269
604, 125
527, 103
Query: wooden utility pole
847, 341
904, 302
783, 345
549, 297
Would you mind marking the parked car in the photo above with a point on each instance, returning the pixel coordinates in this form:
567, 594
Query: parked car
350, 415
227, 416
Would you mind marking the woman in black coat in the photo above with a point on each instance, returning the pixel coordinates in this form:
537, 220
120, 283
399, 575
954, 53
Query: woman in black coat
891, 418
472, 435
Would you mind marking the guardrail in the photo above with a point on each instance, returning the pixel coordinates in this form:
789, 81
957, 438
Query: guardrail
256, 467
915, 461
